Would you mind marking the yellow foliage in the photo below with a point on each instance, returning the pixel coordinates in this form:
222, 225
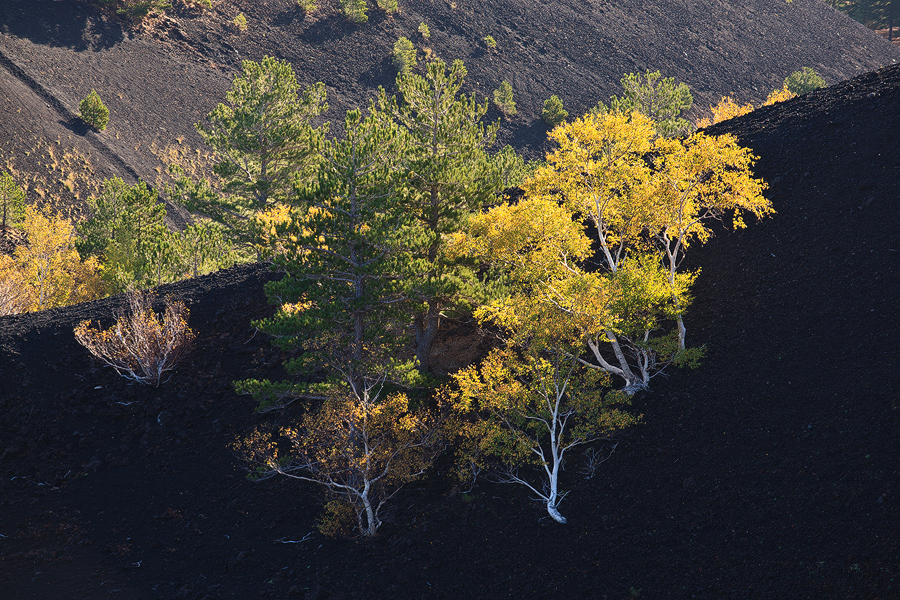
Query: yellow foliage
726, 109
598, 172
47, 271
779, 96
140, 346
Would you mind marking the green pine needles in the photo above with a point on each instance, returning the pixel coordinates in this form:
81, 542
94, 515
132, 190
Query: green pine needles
503, 98
356, 11
553, 113
93, 112
803, 81
404, 55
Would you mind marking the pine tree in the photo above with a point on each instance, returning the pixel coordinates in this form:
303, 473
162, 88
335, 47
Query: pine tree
448, 175
12, 202
263, 135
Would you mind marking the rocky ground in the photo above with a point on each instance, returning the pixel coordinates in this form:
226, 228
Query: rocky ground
772, 471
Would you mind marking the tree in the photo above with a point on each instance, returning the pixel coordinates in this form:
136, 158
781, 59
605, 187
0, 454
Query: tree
803, 81
702, 179
533, 409
646, 198
448, 175
404, 55
93, 112
360, 446
127, 232
263, 136
344, 254
47, 272
503, 98
355, 11
656, 97
553, 112
535, 400
12, 202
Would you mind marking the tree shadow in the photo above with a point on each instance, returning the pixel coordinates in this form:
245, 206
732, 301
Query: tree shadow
66, 24
76, 126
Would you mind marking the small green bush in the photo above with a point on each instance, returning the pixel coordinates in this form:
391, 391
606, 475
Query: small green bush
240, 21
388, 6
307, 6
93, 112
554, 113
503, 98
490, 42
424, 31
355, 10
404, 55
803, 81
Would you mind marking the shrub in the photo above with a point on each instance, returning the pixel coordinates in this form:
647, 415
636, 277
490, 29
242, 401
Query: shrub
554, 113
93, 112
404, 55
424, 31
139, 346
240, 21
803, 81
490, 42
388, 6
355, 10
503, 98
308, 6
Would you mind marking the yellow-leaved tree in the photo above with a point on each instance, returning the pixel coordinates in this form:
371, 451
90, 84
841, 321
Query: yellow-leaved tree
362, 445
535, 400
47, 271
646, 198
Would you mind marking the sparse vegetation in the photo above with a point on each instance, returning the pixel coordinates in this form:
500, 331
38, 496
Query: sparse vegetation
93, 112
404, 55
140, 346
490, 42
503, 98
553, 113
424, 31
307, 6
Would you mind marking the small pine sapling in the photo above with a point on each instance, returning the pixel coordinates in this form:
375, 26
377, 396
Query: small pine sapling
490, 42
503, 98
240, 21
307, 6
424, 31
12, 202
355, 11
553, 113
93, 112
404, 55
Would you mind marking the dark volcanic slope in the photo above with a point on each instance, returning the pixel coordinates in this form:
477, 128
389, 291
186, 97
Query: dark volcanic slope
159, 81
773, 471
